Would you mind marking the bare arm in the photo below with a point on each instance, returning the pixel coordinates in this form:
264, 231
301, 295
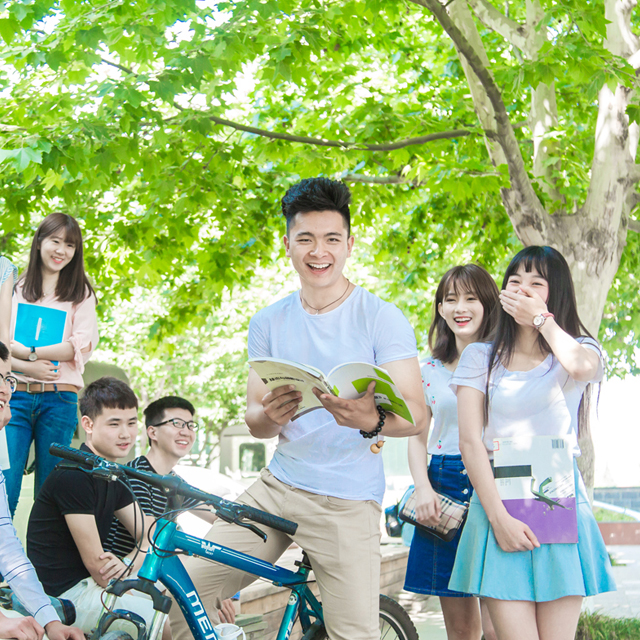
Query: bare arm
6, 291
580, 362
427, 502
362, 413
43, 370
268, 411
101, 565
511, 534
62, 352
137, 524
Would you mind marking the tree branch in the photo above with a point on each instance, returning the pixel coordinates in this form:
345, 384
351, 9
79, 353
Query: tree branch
340, 144
511, 30
525, 209
359, 177
634, 225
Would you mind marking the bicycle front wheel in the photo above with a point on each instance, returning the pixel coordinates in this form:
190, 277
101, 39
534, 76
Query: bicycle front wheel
395, 623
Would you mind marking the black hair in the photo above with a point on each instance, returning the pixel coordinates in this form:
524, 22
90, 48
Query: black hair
468, 278
317, 194
4, 352
106, 393
553, 267
154, 413
73, 284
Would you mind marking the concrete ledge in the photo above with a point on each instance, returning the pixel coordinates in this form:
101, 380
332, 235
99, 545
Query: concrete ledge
620, 533
265, 600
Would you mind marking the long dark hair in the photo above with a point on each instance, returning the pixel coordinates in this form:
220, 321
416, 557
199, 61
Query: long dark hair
552, 266
73, 284
468, 278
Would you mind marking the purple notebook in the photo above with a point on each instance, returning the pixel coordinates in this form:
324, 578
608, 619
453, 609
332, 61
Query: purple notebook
535, 479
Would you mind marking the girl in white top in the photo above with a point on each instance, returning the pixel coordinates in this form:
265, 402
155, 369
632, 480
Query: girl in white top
529, 381
464, 307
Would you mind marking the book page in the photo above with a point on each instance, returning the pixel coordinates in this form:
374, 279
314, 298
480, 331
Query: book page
277, 373
351, 380
535, 479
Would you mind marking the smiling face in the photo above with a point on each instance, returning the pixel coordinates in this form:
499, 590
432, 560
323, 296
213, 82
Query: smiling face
463, 312
112, 433
170, 440
319, 244
56, 252
528, 279
5, 394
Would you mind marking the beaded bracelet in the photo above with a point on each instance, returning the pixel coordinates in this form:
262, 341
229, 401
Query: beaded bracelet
372, 434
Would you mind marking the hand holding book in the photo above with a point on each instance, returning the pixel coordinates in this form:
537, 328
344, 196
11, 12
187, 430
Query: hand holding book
359, 413
513, 534
282, 403
349, 381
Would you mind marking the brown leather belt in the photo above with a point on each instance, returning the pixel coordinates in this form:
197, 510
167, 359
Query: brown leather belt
41, 387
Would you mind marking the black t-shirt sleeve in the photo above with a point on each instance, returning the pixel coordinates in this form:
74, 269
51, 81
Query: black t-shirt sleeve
75, 492
123, 497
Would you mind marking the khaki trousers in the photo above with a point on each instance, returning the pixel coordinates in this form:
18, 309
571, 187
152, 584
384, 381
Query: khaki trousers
341, 538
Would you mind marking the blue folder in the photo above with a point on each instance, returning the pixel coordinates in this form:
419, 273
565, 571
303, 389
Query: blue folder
38, 326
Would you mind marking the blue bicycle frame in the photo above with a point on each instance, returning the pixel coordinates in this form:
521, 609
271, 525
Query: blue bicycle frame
162, 564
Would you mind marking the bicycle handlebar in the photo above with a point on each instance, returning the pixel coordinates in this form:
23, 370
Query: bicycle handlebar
175, 484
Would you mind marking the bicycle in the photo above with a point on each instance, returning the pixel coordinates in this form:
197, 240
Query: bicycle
162, 564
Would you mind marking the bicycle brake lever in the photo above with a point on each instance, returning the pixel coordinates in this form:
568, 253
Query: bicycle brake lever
229, 516
107, 472
252, 527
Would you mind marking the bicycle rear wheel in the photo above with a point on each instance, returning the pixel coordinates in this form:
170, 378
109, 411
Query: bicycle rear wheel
395, 623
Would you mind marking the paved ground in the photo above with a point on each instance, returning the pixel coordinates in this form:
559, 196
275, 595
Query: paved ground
623, 603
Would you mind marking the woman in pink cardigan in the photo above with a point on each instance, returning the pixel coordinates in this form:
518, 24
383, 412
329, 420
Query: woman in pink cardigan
54, 330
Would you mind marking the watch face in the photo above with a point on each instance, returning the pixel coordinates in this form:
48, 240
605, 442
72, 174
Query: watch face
538, 321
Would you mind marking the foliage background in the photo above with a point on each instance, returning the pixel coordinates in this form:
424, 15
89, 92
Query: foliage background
172, 129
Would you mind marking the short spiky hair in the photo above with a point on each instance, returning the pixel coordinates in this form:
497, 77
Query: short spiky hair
4, 352
154, 413
317, 194
106, 393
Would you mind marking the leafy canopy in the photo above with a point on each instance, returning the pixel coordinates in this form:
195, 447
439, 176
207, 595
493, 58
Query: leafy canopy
166, 127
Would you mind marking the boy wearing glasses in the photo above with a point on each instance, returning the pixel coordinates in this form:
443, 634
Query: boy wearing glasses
171, 431
14, 564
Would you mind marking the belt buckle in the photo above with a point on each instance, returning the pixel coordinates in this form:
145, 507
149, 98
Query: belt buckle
34, 391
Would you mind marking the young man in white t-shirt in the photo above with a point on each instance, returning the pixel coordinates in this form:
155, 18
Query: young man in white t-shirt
323, 475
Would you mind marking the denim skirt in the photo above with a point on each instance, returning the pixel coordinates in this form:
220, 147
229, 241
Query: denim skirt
431, 559
547, 573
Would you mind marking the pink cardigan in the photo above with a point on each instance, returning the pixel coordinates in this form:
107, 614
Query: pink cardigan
81, 330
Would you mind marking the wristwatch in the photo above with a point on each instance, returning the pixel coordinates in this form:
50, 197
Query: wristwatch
33, 356
540, 319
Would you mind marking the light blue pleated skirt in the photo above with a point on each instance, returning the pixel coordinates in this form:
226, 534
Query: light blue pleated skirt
549, 572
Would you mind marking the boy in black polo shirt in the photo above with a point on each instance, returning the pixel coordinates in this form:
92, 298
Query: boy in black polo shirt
72, 514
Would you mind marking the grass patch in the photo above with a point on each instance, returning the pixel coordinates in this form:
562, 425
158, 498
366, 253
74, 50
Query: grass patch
593, 626
604, 515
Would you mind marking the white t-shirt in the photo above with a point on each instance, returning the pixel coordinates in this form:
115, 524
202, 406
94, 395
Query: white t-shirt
314, 453
543, 401
443, 438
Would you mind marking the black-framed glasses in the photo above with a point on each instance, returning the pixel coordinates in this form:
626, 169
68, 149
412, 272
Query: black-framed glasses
11, 381
176, 423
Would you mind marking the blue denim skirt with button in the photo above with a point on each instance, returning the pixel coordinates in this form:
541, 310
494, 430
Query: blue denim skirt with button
431, 559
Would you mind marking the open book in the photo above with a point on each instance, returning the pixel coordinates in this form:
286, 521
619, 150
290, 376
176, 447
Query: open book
348, 381
535, 479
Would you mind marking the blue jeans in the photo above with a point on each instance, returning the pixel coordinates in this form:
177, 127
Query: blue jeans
46, 417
